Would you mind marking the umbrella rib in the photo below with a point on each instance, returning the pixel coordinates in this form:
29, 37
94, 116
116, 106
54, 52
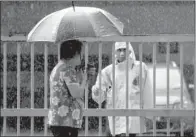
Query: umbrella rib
88, 17
38, 24
31, 33
120, 28
91, 22
57, 28
70, 23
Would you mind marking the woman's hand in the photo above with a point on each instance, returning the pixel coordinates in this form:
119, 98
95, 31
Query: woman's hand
76, 90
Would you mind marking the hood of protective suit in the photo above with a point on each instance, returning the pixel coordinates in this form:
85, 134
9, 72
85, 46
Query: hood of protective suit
120, 45
131, 59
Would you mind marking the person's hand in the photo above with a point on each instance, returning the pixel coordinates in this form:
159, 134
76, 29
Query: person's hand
96, 91
76, 90
92, 71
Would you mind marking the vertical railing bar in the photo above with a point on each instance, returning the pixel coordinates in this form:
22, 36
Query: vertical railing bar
195, 84
141, 88
86, 89
127, 87
32, 85
4, 85
100, 78
182, 86
113, 85
100, 66
59, 48
18, 86
195, 79
168, 82
45, 86
58, 51
154, 86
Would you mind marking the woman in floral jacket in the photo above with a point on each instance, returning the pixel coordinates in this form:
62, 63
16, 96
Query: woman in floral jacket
67, 91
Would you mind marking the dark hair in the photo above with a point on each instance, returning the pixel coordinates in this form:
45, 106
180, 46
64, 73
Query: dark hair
70, 48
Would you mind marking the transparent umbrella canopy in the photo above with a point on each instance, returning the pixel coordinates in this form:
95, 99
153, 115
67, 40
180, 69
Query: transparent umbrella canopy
78, 22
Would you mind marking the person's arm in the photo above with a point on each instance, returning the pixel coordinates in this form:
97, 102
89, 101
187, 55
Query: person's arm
75, 88
105, 83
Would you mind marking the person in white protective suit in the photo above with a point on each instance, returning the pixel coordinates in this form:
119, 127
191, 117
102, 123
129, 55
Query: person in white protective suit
120, 89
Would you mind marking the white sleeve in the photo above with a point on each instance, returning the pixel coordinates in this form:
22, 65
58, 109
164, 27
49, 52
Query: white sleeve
97, 93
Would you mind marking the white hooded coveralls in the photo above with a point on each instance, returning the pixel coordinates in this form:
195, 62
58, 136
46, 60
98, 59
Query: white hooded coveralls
120, 91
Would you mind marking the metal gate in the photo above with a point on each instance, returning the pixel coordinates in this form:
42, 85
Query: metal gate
155, 112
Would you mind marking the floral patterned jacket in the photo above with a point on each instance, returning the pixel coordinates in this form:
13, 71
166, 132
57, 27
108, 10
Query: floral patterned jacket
64, 109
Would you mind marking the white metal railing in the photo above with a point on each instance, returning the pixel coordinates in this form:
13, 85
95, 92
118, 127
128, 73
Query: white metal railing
4, 85
32, 86
18, 86
45, 85
113, 86
167, 112
154, 87
86, 92
136, 38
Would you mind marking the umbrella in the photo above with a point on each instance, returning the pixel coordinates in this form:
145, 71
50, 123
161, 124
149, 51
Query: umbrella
75, 22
